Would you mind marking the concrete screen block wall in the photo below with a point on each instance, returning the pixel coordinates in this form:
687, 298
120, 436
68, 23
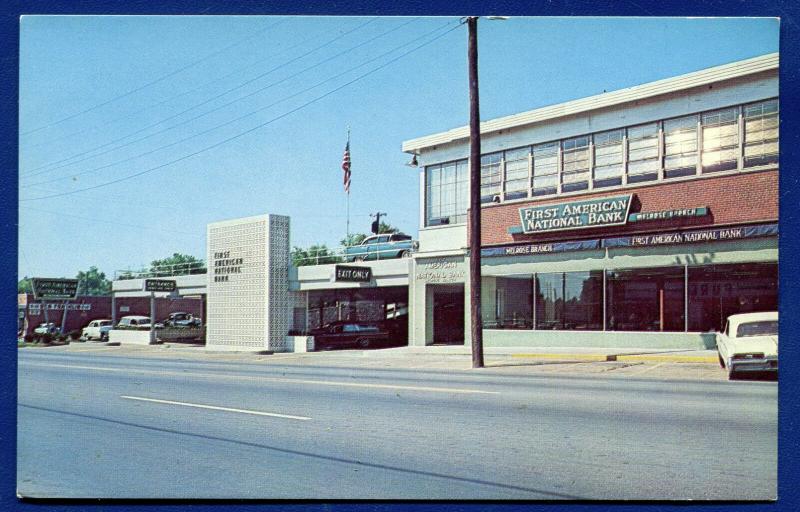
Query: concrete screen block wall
248, 284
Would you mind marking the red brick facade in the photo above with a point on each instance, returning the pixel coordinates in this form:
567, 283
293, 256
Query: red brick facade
750, 197
99, 307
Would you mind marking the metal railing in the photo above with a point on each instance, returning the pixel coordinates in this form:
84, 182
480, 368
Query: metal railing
177, 269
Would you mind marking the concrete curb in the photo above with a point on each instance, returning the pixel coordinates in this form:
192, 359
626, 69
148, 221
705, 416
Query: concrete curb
657, 358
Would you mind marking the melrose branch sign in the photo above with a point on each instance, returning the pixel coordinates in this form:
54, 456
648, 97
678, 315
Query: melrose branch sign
591, 213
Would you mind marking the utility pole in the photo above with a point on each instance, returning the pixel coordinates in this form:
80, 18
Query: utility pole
474, 197
376, 225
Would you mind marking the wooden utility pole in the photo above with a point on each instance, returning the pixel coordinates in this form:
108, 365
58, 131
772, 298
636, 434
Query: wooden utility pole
474, 197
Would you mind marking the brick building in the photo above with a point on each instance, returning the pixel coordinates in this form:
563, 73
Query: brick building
641, 217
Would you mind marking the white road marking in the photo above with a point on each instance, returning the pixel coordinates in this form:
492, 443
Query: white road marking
648, 368
216, 408
98, 349
267, 379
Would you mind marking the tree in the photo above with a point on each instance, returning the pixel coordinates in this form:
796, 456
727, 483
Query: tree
93, 282
25, 285
314, 255
177, 264
386, 228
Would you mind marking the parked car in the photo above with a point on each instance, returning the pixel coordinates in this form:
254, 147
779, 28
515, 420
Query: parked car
46, 328
349, 334
181, 319
381, 247
134, 322
749, 343
97, 329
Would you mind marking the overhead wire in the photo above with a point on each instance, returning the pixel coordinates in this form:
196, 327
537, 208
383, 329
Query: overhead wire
250, 130
246, 115
152, 82
157, 123
215, 109
166, 100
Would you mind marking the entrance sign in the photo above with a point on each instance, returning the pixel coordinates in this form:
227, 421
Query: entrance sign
160, 285
352, 274
63, 289
590, 213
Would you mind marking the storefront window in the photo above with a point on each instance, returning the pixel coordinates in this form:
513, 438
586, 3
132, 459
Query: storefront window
718, 291
720, 140
761, 133
583, 301
569, 301
446, 197
513, 303
648, 299
680, 147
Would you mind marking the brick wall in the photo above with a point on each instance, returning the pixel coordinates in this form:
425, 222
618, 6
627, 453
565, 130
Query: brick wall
732, 199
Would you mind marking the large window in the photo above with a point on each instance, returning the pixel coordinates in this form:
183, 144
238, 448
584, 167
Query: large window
513, 303
575, 164
545, 169
680, 147
720, 140
643, 161
718, 291
491, 177
608, 159
517, 175
648, 299
569, 301
377, 305
761, 133
446, 196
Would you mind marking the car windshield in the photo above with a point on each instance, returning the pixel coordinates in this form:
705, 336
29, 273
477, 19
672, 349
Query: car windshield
762, 328
107, 322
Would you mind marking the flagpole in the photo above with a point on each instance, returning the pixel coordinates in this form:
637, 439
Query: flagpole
348, 191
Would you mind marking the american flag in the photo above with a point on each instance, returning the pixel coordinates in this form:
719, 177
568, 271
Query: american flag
346, 166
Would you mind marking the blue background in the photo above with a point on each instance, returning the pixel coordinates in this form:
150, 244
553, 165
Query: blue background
789, 262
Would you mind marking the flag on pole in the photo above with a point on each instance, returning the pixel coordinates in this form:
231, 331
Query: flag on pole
346, 166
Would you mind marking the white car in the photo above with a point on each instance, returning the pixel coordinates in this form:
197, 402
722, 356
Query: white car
46, 328
134, 322
97, 329
749, 343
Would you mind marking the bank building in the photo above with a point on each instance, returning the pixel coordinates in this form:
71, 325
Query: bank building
641, 217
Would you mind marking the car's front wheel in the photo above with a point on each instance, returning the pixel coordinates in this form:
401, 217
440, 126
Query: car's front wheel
362, 342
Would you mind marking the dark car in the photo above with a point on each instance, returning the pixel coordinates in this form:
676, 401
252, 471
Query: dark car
181, 319
349, 334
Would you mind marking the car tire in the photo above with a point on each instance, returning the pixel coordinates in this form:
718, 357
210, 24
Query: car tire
405, 254
732, 374
362, 342
359, 259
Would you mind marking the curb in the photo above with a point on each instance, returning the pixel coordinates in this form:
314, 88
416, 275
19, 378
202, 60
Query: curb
623, 357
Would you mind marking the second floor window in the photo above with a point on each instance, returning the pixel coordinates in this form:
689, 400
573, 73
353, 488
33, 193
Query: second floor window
761, 133
575, 164
517, 175
545, 169
491, 177
608, 159
680, 147
720, 140
643, 161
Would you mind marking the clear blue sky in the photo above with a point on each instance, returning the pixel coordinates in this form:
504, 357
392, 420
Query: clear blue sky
90, 87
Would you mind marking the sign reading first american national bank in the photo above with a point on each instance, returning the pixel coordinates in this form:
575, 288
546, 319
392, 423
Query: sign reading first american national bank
590, 213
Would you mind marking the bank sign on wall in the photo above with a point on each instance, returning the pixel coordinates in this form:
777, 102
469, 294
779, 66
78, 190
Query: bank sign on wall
590, 213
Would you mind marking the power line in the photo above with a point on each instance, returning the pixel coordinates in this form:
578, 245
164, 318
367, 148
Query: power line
215, 109
240, 117
167, 100
114, 223
153, 82
257, 127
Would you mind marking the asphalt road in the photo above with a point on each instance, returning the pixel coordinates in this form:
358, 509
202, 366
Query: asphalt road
92, 425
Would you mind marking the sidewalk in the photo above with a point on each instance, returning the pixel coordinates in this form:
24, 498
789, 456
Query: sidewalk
560, 353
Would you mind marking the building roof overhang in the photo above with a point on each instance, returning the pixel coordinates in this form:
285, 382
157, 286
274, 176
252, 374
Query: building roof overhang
731, 71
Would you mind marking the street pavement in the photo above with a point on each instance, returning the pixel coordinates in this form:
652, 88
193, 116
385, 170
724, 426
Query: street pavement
177, 422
